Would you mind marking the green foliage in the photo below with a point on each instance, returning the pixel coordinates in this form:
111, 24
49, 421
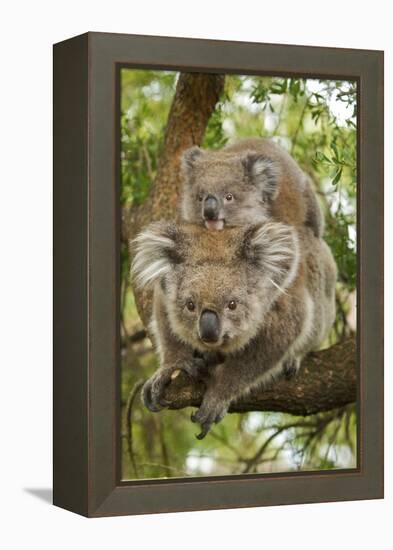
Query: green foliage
315, 120
215, 137
145, 103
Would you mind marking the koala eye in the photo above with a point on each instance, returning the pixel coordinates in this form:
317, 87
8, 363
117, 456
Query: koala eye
190, 305
232, 304
200, 197
229, 197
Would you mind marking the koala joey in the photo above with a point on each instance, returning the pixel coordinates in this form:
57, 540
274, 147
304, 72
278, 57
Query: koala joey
235, 305
245, 183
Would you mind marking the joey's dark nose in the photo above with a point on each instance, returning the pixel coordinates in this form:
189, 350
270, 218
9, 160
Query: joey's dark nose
209, 326
210, 208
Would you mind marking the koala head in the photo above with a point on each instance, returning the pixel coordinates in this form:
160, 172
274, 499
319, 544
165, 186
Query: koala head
226, 189
216, 286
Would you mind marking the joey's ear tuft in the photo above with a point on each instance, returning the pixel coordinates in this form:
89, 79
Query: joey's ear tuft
156, 252
273, 249
189, 158
262, 172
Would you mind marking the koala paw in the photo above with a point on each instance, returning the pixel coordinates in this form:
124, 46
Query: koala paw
201, 365
154, 389
197, 367
210, 412
291, 367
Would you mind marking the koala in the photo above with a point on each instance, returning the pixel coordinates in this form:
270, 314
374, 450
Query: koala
234, 304
246, 183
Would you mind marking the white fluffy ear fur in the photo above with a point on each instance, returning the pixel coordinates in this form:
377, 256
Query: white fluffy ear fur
264, 173
273, 247
154, 253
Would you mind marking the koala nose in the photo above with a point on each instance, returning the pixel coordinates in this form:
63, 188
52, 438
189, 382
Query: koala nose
210, 208
209, 326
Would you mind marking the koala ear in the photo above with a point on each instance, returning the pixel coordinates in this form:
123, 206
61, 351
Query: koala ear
155, 252
189, 158
262, 172
273, 249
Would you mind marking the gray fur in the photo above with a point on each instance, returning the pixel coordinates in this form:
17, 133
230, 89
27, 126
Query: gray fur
263, 173
264, 180
282, 280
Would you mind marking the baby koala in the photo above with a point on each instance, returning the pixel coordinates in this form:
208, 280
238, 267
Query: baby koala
254, 297
248, 182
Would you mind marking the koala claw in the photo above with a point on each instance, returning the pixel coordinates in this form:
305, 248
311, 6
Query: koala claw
148, 399
154, 389
208, 414
204, 432
291, 367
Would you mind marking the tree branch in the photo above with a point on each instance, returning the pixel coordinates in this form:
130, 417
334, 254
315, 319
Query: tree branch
327, 380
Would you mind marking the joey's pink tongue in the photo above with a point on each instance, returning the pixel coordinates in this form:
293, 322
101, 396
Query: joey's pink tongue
217, 224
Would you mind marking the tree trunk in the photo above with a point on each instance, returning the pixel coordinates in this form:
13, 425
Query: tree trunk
195, 99
327, 380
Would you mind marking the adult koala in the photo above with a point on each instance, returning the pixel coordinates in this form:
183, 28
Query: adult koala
253, 299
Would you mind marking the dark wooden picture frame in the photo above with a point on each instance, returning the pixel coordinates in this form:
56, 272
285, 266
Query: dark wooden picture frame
86, 275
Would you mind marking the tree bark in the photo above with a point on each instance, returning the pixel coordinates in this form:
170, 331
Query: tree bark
327, 380
195, 99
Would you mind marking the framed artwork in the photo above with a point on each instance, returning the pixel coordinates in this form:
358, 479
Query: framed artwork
218, 274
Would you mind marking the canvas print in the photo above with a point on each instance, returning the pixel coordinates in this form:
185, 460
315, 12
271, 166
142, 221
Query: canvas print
238, 274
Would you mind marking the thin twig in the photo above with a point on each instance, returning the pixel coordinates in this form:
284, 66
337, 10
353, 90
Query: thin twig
164, 449
253, 461
148, 163
226, 444
128, 413
301, 118
280, 113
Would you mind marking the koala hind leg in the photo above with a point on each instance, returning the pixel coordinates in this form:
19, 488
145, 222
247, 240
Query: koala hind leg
291, 367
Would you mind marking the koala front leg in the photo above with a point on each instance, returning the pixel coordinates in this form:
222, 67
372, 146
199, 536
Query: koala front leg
291, 367
174, 356
230, 381
198, 366
257, 364
172, 362
226, 383
201, 369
